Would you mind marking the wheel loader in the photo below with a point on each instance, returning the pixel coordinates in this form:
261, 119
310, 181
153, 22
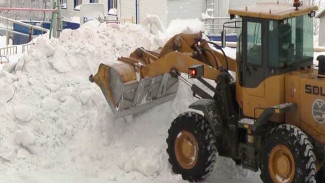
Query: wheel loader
267, 107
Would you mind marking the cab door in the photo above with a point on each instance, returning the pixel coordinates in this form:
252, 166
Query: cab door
253, 70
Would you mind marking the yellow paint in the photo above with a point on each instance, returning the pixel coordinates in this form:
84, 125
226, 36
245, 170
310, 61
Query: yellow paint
255, 100
272, 11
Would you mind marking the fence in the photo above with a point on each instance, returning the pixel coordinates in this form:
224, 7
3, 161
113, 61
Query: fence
214, 25
10, 50
13, 50
26, 47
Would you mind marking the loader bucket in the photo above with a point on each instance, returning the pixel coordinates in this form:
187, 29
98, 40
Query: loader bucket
127, 94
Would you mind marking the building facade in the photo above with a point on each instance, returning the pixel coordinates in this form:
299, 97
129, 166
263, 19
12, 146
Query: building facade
167, 10
70, 8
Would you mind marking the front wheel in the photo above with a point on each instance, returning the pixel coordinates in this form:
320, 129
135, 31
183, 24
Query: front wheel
288, 157
320, 176
191, 146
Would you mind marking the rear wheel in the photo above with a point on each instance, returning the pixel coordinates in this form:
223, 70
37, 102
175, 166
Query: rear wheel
287, 157
191, 146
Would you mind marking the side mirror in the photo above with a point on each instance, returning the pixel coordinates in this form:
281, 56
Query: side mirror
223, 38
196, 71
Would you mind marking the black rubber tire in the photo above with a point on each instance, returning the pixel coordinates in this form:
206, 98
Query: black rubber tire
199, 127
299, 145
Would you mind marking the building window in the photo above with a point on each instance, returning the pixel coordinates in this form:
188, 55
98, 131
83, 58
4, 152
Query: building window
112, 4
77, 3
93, 1
63, 4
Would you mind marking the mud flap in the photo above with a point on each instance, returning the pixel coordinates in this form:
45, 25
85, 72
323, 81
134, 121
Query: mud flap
210, 110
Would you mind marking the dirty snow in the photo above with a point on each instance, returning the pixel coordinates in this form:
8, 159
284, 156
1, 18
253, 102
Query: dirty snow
57, 127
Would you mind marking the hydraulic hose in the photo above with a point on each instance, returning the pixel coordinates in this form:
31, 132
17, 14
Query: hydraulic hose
224, 54
214, 56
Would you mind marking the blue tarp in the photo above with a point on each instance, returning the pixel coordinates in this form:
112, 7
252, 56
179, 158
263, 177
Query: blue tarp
20, 39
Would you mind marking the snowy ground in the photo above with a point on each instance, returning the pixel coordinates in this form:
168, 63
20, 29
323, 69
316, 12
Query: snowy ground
57, 127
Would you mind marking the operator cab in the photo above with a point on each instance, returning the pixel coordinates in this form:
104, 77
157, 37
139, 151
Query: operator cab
275, 43
275, 38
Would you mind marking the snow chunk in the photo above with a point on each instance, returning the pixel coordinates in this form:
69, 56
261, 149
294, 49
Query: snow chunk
91, 24
8, 151
85, 96
6, 91
26, 139
112, 11
45, 47
23, 113
154, 24
142, 161
50, 104
247, 121
9, 67
9, 75
70, 105
205, 16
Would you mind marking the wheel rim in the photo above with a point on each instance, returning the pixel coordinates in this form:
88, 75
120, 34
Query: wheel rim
186, 149
281, 164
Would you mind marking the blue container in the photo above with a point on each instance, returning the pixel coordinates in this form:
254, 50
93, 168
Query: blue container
70, 25
229, 38
20, 39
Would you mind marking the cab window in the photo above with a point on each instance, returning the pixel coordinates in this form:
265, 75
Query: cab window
290, 41
254, 43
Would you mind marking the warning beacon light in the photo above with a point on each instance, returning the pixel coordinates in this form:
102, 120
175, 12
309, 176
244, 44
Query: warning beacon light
297, 4
196, 71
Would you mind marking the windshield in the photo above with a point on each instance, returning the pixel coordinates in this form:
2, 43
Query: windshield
290, 41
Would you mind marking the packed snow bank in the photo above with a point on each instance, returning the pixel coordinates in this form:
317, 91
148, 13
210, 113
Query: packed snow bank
54, 120
188, 26
51, 103
154, 25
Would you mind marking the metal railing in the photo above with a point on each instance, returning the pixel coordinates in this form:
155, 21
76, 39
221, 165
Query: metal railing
215, 25
13, 50
26, 47
120, 21
10, 50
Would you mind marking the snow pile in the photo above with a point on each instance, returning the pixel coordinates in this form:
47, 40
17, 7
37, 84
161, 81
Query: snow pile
154, 25
49, 101
205, 16
54, 120
188, 26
